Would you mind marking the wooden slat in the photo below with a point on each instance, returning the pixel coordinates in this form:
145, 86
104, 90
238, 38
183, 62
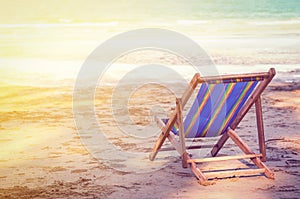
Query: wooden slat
200, 146
260, 129
231, 77
224, 158
181, 133
190, 89
226, 174
172, 148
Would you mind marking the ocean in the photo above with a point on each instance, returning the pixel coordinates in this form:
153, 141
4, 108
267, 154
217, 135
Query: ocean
227, 30
44, 44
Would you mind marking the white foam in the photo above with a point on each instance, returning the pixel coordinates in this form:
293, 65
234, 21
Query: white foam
191, 22
55, 25
283, 22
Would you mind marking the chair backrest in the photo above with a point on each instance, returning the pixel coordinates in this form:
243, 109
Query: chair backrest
217, 105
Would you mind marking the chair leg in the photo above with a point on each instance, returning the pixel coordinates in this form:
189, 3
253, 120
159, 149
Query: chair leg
181, 133
217, 147
162, 137
201, 177
157, 146
184, 160
244, 147
260, 128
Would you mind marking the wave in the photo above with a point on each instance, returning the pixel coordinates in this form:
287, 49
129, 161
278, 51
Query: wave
285, 22
191, 22
244, 22
55, 25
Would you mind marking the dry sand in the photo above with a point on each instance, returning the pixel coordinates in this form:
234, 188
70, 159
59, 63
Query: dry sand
42, 155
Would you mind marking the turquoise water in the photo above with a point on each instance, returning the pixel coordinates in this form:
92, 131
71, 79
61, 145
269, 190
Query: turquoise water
217, 9
34, 11
37, 35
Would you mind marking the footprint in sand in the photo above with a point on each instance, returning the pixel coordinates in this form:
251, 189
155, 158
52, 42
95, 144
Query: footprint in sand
57, 169
79, 171
293, 163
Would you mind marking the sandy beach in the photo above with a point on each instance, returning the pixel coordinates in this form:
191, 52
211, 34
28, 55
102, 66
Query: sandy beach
44, 156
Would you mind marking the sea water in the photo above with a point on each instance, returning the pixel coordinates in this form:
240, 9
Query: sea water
46, 44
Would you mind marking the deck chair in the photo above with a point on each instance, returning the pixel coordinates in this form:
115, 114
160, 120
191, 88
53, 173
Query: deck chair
220, 105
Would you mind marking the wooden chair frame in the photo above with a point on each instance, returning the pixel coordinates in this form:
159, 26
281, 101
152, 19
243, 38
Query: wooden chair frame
180, 146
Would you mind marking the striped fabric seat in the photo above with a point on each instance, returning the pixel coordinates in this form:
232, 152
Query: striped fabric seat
216, 106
